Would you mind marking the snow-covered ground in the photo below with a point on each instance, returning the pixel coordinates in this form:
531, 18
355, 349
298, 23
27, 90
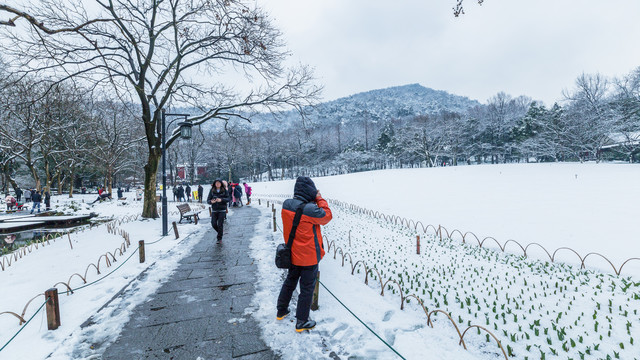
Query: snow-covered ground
535, 308
338, 331
587, 207
48, 265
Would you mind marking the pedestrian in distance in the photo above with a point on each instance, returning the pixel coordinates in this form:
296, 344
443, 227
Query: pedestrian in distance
226, 186
18, 194
247, 190
27, 196
217, 199
119, 193
180, 193
37, 199
237, 194
47, 199
188, 192
200, 193
307, 248
10, 201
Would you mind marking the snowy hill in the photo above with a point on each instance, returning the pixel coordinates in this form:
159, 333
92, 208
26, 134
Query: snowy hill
390, 103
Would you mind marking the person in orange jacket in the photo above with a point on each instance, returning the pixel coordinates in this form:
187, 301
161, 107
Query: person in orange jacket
306, 251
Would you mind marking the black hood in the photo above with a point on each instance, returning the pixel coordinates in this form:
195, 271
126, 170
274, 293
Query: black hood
305, 189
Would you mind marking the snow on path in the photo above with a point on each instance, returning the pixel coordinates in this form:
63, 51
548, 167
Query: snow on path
41, 269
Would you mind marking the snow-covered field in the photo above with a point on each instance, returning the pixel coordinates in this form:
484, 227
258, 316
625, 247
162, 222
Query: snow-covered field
337, 331
537, 309
587, 207
29, 276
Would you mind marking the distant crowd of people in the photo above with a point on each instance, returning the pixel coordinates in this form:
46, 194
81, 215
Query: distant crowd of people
30, 196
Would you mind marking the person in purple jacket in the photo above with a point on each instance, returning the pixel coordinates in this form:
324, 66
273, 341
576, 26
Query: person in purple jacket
247, 190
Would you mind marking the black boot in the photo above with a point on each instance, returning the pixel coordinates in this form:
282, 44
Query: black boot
303, 325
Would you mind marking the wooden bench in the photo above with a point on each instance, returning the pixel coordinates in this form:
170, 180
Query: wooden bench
187, 213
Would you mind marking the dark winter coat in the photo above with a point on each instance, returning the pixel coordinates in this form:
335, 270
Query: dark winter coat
119, 193
237, 192
180, 191
19, 192
36, 197
223, 195
200, 190
308, 247
188, 191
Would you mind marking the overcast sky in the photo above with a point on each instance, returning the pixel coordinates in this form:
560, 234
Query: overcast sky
523, 47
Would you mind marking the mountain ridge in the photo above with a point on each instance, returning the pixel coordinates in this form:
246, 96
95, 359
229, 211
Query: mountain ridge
396, 102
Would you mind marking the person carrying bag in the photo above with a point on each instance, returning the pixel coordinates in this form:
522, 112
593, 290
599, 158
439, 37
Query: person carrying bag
302, 217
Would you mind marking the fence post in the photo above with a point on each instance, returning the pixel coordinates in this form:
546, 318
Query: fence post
274, 220
418, 244
440, 231
53, 308
141, 250
316, 293
259, 203
175, 230
267, 203
210, 213
273, 207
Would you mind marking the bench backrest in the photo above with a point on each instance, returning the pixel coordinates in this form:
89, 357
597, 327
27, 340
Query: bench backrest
183, 208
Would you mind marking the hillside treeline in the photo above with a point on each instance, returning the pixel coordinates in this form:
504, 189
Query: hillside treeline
598, 119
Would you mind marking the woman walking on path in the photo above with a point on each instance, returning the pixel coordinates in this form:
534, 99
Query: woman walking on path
200, 191
218, 198
247, 190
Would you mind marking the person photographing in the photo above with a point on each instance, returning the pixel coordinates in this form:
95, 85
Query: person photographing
218, 198
307, 248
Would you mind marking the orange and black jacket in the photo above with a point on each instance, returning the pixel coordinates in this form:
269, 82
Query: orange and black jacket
307, 248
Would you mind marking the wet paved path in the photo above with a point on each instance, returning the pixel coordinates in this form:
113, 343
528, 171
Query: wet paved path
199, 312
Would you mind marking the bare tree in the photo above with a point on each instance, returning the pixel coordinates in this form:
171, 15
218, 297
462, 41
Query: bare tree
159, 53
458, 9
589, 117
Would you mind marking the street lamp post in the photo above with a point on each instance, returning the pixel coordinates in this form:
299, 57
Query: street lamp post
185, 133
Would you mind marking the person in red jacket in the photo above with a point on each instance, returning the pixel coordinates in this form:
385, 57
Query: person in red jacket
306, 251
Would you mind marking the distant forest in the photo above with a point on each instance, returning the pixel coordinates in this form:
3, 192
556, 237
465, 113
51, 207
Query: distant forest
72, 137
598, 120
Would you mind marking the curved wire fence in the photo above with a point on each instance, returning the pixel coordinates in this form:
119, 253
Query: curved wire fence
107, 259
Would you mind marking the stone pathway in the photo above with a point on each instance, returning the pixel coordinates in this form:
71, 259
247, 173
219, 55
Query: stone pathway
199, 312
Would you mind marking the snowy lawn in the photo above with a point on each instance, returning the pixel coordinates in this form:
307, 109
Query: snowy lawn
50, 265
536, 308
338, 331
587, 207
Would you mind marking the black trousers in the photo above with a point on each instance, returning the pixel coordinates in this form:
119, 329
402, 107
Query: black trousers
307, 276
217, 221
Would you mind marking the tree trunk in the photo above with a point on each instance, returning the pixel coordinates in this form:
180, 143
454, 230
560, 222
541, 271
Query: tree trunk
71, 181
109, 180
59, 177
35, 176
150, 208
